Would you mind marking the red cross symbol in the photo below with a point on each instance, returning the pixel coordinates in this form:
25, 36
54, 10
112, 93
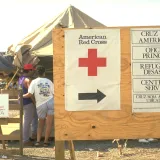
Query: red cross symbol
92, 62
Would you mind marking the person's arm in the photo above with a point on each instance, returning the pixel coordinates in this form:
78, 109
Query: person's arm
29, 85
52, 87
27, 82
33, 99
27, 95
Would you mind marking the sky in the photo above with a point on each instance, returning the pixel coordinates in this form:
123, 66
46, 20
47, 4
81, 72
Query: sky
18, 18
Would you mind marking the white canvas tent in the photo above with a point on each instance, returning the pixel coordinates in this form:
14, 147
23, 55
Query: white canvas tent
41, 39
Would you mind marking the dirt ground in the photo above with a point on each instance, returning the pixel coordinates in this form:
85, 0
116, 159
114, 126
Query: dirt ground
88, 150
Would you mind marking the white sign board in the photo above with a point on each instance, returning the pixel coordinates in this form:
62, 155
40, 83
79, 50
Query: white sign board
92, 69
145, 45
4, 103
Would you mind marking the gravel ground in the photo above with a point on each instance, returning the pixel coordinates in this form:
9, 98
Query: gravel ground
87, 150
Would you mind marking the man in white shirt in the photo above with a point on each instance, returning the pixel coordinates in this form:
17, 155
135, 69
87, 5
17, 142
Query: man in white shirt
43, 90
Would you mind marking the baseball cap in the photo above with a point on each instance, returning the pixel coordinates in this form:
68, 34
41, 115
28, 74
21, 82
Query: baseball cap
28, 67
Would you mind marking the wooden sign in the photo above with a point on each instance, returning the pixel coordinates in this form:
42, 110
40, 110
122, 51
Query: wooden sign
139, 88
145, 44
4, 102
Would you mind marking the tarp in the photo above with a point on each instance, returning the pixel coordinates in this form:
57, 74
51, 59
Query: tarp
22, 55
6, 64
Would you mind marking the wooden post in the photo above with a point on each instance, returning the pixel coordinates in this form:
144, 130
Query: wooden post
59, 150
71, 149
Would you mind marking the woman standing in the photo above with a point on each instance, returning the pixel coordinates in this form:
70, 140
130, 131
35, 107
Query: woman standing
29, 109
43, 90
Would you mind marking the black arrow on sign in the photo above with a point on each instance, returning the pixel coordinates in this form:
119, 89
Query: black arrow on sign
91, 96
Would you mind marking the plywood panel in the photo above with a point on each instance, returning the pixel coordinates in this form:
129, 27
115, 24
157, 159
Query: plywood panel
93, 125
14, 107
13, 94
10, 137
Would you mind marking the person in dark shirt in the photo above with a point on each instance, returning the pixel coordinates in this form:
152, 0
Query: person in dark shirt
29, 109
